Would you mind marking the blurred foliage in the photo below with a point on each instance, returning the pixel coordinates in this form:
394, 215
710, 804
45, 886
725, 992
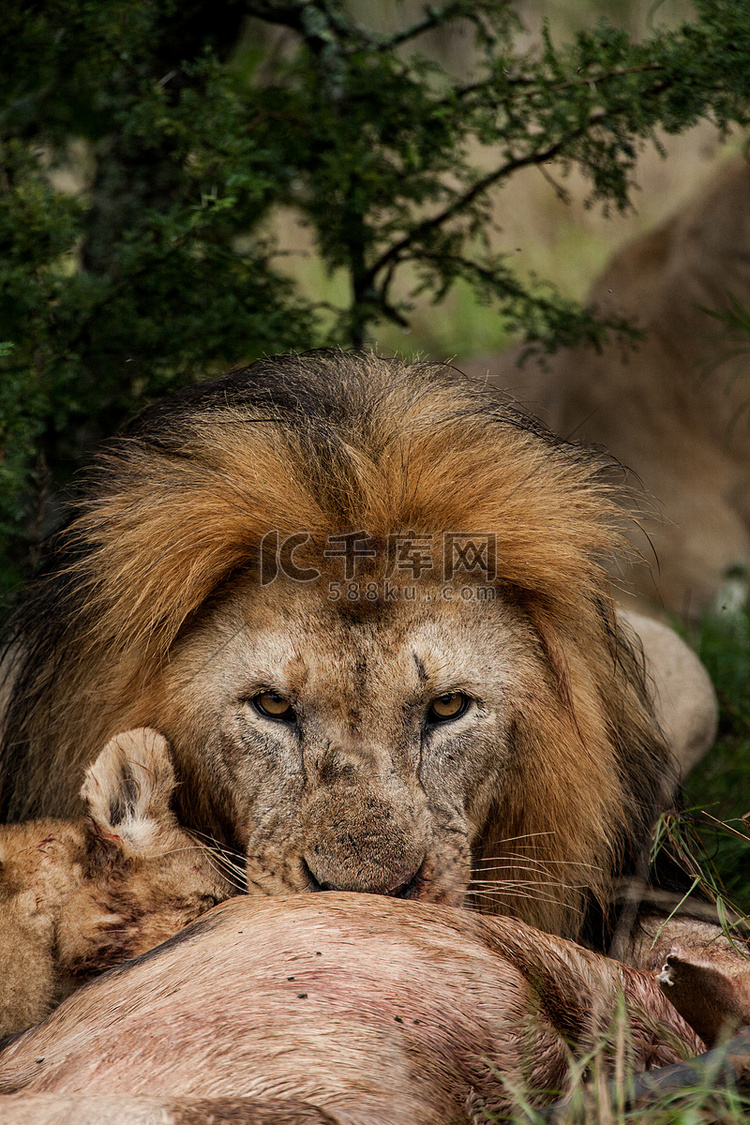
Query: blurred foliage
146, 144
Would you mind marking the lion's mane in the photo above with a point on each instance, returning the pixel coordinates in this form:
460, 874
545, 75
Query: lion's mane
177, 506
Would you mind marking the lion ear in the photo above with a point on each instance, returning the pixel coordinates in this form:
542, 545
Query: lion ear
127, 790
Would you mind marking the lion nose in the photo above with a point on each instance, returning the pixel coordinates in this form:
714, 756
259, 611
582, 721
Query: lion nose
373, 879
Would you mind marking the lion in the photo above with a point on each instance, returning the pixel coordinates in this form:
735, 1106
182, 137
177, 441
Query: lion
79, 896
289, 1001
675, 406
366, 603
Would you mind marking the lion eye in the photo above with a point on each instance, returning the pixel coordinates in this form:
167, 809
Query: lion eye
447, 707
271, 705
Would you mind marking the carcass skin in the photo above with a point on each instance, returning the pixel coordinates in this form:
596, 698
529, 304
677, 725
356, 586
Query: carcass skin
363, 1008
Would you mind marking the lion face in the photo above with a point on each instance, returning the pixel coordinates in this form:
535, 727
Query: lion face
419, 741
361, 746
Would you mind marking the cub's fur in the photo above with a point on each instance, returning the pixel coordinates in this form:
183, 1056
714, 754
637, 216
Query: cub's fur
79, 896
364, 545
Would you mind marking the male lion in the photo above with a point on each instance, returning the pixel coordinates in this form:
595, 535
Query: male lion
366, 604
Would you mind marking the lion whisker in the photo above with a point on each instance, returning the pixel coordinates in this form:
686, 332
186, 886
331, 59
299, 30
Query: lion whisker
517, 867
512, 839
523, 858
518, 894
233, 876
490, 883
524, 863
507, 884
222, 855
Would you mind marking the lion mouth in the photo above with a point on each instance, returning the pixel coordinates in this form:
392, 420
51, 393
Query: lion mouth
411, 885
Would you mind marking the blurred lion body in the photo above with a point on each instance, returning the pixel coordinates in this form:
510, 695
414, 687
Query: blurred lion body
535, 798
674, 407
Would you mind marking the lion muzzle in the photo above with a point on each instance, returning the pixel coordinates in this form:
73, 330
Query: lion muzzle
365, 846
370, 878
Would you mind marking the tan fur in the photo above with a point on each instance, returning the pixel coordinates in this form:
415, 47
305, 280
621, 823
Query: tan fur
542, 794
370, 1009
675, 408
702, 972
79, 896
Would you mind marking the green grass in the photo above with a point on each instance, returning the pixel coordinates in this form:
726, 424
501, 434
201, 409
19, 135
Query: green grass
721, 783
604, 1087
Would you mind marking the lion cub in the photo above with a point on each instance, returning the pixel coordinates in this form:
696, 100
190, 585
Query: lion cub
77, 897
